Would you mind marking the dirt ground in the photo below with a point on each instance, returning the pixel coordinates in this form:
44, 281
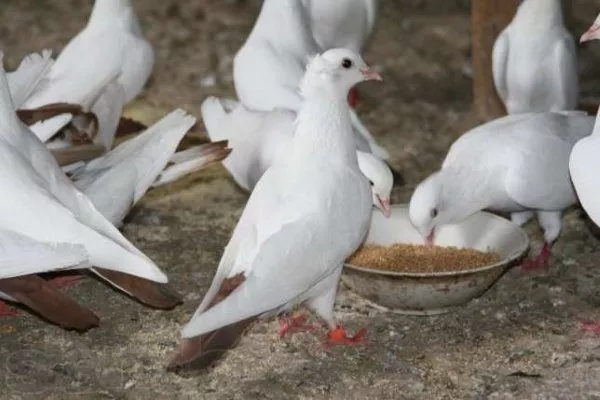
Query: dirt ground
523, 339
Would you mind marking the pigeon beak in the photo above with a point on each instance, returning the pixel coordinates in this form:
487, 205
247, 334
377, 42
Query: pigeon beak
385, 206
370, 75
590, 34
429, 238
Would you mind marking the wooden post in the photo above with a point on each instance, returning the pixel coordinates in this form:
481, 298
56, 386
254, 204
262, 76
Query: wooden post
488, 19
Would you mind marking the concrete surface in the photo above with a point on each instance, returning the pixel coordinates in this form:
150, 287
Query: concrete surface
523, 339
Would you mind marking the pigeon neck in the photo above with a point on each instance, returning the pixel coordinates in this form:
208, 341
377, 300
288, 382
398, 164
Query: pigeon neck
462, 193
539, 12
283, 21
324, 129
111, 12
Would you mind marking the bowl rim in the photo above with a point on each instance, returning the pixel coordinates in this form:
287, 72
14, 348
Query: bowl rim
502, 263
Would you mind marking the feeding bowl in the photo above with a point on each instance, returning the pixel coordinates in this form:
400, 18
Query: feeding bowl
428, 293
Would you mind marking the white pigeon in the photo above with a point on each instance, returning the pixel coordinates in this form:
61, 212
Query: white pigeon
260, 137
534, 60
42, 203
584, 157
117, 180
101, 69
306, 215
583, 161
516, 164
21, 258
271, 63
341, 23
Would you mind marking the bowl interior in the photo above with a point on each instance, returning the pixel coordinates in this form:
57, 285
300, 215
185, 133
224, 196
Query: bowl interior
481, 231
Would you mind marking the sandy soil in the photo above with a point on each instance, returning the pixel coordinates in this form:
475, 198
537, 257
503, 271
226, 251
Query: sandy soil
522, 339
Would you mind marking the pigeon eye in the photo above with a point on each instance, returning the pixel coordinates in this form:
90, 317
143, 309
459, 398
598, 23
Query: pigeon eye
347, 63
371, 182
434, 212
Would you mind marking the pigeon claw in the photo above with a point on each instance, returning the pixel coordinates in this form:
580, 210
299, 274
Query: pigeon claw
339, 336
541, 261
291, 325
353, 97
7, 311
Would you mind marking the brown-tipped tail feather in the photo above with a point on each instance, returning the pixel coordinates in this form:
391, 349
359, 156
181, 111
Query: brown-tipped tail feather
45, 299
153, 294
81, 130
198, 353
70, 155
31, 116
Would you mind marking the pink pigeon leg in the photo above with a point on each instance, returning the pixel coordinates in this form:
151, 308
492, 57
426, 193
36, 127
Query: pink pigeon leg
291, 325
541, 261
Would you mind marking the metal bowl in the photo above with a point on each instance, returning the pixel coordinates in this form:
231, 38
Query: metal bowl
436, 292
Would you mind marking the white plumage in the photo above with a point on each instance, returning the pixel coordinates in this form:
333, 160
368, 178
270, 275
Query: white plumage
270, 64
290, 246
103, 68
258, 138
41, 203
535, 60
117, 180
341, 23
516, 164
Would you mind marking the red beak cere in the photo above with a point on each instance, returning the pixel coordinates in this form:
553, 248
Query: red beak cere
370, 75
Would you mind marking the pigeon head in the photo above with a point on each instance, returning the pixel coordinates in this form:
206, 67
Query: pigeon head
426, 210
593, 32
336, 69
381, 179
447, 196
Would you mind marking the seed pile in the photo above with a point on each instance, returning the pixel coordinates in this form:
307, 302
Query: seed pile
420, 258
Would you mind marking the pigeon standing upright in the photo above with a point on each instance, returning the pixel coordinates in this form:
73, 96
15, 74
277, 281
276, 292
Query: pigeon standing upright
342, 24
584, 163
306, 215
517, 164
270, 64
258, 138
41, 203
534, 60
101, 69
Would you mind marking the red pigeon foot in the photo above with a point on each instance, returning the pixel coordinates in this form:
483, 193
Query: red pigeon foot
353, 98
291, 325
591, 326
7, 311
339, 337
66, 280
541, 261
